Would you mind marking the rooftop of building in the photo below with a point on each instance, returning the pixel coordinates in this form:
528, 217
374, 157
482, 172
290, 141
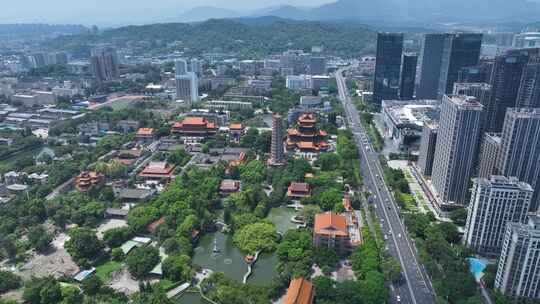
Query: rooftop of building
301, 291
407, 112
331, 223
464, 101
510, 183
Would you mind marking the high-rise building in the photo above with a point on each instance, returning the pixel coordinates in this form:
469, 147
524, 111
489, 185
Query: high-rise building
408, 76
37, 60
491, 144
277, 156
507, 74
104, 64
443, 57
317, 65
180, 67
518, 272
197, 67
427, 147
519, 154
478, 73
482, 92
529, 89
455, 152
495, 201
387, 66
187, 87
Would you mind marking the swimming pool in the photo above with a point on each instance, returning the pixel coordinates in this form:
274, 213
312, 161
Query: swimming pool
477, 267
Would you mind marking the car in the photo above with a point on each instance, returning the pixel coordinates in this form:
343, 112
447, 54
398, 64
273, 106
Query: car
399, 235
386, 237
398, 298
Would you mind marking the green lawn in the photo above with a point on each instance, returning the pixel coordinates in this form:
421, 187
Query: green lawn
105, 271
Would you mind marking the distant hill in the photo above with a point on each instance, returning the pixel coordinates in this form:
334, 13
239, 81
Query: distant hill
249, 37
203, 13
438, 11
22, 30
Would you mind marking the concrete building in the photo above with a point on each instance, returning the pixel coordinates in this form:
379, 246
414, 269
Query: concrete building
519, 155
482, 92
187, 87
491, 145
297, 82
518, 272
495, 202
443, 56
526, 40
455, 153
35, 98
228, 104
388, 66
317, 65
104, 64
277, 153
529, 89
404, 120
331, 231
180, 67
427, 147
408, 76
480, 73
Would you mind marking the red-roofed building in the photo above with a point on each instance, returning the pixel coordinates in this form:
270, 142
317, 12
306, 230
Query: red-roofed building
301, 291
157, 170
236, 130
194, 127
145, 134
229, 186
128, 157
331, 231
306, 138
87, 179
153, 226
298, 190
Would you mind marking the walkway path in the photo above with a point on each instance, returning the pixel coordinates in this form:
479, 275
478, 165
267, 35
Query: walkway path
250, 266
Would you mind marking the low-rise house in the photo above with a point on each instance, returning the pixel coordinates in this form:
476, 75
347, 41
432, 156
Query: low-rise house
236, 130
134, 195
331, 231
157, 170
298, 190
127, 126
301, 291
37, 178
153, 227
194, 127
229, 186
87, 179
145, 134
128, 157
116, 213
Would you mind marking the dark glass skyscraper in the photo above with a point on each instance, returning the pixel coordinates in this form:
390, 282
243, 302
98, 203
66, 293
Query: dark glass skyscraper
443, 57
388, 66
430, 71
476, 74
507, 74
408, 76
529, 90
460, 50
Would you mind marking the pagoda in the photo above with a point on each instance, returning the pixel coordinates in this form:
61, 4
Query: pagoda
306, 138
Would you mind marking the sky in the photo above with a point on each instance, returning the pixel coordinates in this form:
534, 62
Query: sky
117, 12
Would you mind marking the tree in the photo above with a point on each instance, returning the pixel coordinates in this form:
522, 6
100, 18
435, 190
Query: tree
117, 254
309, 212
92, 285
83, 245
459, 216
329, 199
325, 288
42, 291
391, 269
328, 161
254, 237
177, 268
71, 295
8, 281
141, 260
40, 238
253, 172
117, 236
325, 257
373, 289
141, 216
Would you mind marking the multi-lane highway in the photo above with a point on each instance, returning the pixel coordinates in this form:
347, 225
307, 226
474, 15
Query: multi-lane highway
416, 287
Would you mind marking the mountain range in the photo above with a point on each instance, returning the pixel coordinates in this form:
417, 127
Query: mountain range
407, 11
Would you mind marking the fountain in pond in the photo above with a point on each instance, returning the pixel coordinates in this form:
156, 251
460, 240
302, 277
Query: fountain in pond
216, 249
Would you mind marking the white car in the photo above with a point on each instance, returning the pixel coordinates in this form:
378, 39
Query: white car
398, 298
399, 235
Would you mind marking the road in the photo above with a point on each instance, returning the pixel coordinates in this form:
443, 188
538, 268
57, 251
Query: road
417, 288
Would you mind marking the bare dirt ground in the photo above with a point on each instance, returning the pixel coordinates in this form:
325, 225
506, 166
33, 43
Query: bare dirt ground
123, 282
110, 224
56, 262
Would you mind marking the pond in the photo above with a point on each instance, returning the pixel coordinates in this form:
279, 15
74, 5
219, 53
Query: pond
230, 260
281, 217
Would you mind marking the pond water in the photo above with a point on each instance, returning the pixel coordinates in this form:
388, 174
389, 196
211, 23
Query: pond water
230, 260
281, 217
